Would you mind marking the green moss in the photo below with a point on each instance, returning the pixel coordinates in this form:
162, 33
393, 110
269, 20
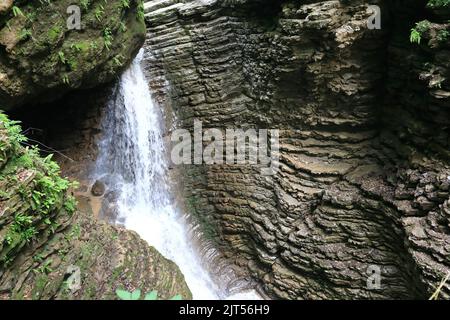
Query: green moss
42, 196
53, 34
207, 226
443, 35
39, 287
140, 11
43, 34
81, 46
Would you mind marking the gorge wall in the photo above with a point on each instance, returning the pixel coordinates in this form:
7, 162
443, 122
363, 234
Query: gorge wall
363, 117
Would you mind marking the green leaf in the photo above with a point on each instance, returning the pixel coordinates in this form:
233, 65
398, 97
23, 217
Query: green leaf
151, 295
177, 297
123, 294
136, 294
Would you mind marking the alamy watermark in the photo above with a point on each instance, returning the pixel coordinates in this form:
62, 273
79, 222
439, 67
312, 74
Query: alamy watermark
230, 146
74, 19
73, 281
374, 277
374, 21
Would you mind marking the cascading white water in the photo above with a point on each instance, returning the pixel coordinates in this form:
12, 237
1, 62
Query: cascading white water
132, 155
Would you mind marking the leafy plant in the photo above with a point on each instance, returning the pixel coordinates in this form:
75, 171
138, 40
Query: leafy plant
31, 16
38, 257
62, 57
423, 26
45, 267
140, 11
28, 234
125, 295
44, 195
417, 32
72, 64
122, 27
4, 194
8, 240
22, 226
21, 220
85, 4
415, 36
71, 203
75, 47
49, 189
107, 38
98, 13
152, 295
14, 133
443, 35
136, 295
125, 4
25, 34
17, 12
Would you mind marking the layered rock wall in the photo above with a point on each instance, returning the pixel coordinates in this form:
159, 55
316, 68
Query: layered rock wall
364, 172
45, 54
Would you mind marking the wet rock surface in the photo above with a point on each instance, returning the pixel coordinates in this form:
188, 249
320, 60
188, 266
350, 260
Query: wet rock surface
364, 160
98, 189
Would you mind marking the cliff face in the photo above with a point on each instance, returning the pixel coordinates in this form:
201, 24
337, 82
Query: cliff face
363, 118
41, 58
51, 249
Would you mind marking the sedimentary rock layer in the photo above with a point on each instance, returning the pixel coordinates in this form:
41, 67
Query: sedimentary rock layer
364, 164
44, 53
49, 250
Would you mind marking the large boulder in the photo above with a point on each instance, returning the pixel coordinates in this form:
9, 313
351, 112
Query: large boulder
41, 57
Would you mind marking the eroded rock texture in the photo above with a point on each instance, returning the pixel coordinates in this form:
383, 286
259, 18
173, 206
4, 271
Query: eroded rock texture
364, 176
41, 58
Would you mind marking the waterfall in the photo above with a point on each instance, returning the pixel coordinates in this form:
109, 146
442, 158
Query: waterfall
132, 159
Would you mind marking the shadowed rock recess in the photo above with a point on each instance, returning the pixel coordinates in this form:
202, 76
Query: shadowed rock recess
364, 159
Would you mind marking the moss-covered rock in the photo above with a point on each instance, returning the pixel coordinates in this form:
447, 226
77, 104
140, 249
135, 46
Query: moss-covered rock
41, 59
49, 250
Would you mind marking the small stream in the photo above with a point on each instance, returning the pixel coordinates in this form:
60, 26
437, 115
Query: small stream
132, 158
